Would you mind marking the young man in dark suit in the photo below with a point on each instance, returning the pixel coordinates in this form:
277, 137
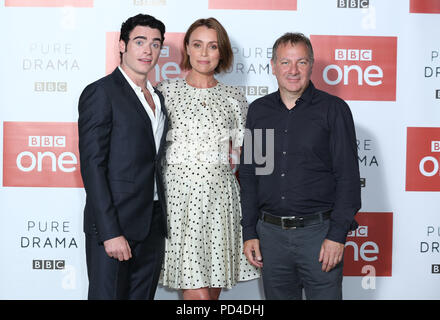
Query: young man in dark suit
122, 127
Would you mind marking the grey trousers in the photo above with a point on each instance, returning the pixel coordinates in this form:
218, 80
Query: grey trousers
291, 263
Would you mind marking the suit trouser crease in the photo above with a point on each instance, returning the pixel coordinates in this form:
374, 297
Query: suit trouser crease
136, 278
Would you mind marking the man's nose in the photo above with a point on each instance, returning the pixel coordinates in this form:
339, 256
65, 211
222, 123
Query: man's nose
293, 68
147, 48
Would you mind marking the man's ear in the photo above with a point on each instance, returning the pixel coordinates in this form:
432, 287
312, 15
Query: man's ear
122, 47
273, 66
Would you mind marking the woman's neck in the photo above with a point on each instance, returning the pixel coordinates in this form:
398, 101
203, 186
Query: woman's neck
199, 80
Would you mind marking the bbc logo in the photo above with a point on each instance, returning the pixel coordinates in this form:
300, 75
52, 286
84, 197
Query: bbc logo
47, 141
360, 232
353, 55
254, 90
50, 86
437, 94
363, 182
149, 2
435, 268
362, 4
48, 264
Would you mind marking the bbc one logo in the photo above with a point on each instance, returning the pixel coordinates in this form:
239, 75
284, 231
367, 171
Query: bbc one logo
356, 67
168, 65
368, 249
41, 154
423, 159
253, 5
49, 3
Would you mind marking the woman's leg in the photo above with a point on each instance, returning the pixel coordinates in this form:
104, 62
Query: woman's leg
196, 294
214, 293
201, 294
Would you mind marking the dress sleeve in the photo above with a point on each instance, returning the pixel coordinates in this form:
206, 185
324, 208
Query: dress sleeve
240, 113
168, 87
162, 87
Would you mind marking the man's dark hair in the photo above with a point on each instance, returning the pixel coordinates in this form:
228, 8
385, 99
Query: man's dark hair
293, 38
144, 20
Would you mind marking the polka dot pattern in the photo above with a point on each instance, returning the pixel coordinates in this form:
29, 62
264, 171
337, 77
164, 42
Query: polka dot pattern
204, 245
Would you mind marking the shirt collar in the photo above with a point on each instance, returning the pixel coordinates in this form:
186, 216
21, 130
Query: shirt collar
135, 87
306, 95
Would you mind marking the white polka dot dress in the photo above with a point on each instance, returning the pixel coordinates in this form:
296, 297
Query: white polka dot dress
204, 245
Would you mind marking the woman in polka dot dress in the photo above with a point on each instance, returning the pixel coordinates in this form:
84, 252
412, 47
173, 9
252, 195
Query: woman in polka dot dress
204, 246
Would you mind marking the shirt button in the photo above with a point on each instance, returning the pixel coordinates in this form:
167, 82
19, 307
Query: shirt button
283, 197
285, 131
284, 153
282, 174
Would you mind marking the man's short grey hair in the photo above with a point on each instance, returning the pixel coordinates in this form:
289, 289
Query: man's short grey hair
293, 38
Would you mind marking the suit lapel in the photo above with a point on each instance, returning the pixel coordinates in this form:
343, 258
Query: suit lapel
133, 102
165, 125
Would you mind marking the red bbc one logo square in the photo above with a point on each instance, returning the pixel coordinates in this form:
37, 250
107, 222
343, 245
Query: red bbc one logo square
41, 154
368, 249
253, 5
424, 6
423, 159
356, 67
168, 65
49, 3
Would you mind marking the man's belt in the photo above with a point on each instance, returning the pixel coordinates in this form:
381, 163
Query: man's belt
294, 222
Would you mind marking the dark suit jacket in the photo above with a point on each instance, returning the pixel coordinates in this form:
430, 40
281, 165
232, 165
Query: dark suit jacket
118, 160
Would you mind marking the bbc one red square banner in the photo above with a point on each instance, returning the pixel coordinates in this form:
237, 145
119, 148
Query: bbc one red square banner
369, 248
41, 154
253, 5
423, 159
49, 3
168, 65
424, 6
356, 67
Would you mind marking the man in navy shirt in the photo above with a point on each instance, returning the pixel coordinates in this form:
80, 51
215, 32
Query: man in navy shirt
297, 216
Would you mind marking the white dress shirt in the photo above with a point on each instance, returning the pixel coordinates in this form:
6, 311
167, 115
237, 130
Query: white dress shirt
157, 118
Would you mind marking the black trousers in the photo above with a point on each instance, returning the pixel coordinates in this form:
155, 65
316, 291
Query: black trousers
134, 279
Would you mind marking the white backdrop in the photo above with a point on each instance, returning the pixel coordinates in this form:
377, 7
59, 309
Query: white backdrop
382, 57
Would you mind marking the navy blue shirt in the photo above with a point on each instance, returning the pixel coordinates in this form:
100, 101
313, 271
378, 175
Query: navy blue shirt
314, 160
